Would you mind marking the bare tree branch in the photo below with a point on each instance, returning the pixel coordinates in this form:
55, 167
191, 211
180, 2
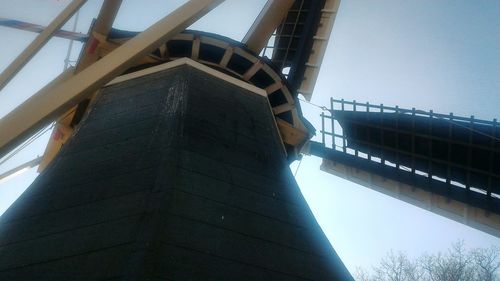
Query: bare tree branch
457, 264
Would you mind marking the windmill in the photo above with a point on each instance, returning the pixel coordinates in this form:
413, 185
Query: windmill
227, 163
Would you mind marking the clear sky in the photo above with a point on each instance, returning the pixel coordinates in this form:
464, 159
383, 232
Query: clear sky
429, 54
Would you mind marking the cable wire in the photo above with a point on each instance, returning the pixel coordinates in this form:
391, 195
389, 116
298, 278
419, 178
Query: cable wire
324, 108
298, 166
25, 144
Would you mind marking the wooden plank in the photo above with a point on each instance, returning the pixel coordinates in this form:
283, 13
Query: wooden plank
46, 105
266, 22
19, 169
91, 53
39, 42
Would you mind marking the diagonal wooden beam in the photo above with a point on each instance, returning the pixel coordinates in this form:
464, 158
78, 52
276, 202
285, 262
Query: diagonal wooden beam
39, 42
44, 106
107, 16
6, 127
99, 32
90, 54
266, 22
19, 169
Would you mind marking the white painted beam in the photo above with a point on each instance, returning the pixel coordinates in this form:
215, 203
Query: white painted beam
19, 169
266, 23
39, 42
90, 54
44, 106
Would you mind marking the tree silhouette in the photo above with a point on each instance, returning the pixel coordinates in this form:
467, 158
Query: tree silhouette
457, 264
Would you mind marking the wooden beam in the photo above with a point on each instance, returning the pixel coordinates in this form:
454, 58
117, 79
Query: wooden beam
107, 16
266, 23
91, 53
39, 42
99, 33
318, 50
44, 106
19, 169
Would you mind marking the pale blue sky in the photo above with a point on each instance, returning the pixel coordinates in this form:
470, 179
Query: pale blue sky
429, 54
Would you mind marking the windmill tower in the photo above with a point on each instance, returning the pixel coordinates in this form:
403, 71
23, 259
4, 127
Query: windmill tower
169, 160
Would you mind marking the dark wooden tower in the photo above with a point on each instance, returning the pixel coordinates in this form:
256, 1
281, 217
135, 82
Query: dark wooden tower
169, 160
178, 174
